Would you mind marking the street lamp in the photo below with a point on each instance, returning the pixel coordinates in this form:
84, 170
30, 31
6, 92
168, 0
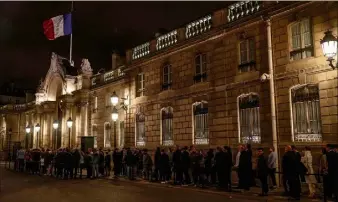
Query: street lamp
37, 128
115, 116
69, 124
114, 99
28, 130
55, 126
329, 46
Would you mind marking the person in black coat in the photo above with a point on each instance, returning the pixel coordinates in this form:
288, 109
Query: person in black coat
208, 165
245, 169
291, 172
228, 167
220, 167
185, 157
76, 163
117, 160
262, 171
157, 164
107, 163
177, 166
164, 167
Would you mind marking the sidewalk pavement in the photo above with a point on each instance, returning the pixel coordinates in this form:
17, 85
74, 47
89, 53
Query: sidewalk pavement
274, 195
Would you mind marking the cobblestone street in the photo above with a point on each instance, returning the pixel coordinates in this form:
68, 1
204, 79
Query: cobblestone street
23, 187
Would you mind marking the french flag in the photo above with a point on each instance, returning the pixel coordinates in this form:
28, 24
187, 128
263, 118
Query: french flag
58, 26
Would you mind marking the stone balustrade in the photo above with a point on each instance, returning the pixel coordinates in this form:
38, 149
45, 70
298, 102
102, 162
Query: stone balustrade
199, 26
242, 9
166, 40
107, 77
141, 51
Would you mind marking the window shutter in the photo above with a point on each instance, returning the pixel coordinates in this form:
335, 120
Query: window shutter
296, 37
306, 33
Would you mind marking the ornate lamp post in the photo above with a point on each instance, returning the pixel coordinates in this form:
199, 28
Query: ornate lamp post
114, 99
55, 126
69, 124
37, 128
329, 46
28, 130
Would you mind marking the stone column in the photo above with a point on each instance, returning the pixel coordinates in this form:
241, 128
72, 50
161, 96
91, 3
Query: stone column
65, 130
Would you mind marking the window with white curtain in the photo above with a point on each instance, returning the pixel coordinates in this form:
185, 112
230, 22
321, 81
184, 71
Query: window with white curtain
201, 125
301, 40
167, 126
140, 85
249, 121
107, 135
122, 137
140, 129
305, 113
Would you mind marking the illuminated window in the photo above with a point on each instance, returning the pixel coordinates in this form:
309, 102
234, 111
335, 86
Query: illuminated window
201, 125
300, 40
140, 130
107, 135
140, 85
167, 126
305, 113
249, 121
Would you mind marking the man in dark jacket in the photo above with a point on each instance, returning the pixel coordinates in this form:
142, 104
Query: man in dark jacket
177, 166
76, 163
291, 172
164, 167
147, 165
117, 160
332, 171
220, 167
228, 167
185, 157
157, 159
195, 159
262, 171
244, 169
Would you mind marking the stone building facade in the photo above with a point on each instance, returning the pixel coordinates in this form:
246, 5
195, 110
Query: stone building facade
202, 85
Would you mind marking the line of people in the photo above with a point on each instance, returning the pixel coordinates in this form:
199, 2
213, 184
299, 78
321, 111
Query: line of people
188, 166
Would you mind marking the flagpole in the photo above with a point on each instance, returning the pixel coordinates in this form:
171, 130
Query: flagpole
71, 38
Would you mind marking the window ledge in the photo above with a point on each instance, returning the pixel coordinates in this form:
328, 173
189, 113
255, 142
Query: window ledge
247, 76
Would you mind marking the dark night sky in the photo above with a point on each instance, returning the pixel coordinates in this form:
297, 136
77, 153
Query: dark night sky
98, 28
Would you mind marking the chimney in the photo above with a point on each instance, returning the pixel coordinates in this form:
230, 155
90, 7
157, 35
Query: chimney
115, 57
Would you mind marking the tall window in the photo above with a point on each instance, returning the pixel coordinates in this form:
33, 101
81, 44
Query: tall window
122, 137
305, 113
249, 121
108, 102
200, 68
95, 104
167, 126
167, 77
94, 134
107, 135
247, 55
140, 129
201, 125
301, 40
140, 85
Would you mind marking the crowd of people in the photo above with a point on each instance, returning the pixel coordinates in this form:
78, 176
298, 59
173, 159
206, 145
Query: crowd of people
189, 166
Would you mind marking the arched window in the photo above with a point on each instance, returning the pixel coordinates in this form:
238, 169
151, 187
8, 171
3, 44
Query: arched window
140, 130
248, 118
167, 126
201, 125
107, 135
305, 113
